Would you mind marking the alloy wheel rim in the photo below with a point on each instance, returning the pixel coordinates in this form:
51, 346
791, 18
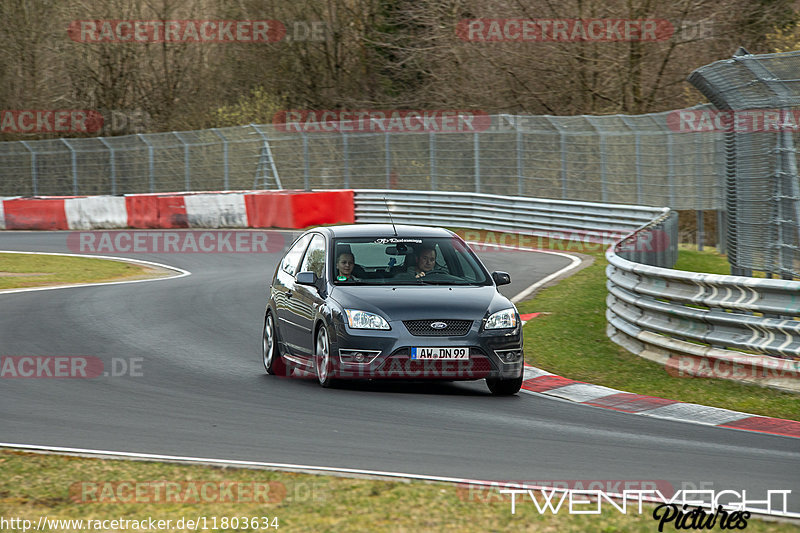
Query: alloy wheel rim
267, 345
324, 355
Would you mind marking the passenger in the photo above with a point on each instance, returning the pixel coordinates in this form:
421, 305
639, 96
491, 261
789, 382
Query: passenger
345, 263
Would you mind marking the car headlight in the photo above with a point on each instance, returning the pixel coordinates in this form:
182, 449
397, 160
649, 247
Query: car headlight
362, 320
507, 318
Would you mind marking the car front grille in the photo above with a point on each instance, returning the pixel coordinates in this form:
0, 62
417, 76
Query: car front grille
422, 328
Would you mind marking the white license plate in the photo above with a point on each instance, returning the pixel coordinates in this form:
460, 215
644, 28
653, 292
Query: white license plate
439, 353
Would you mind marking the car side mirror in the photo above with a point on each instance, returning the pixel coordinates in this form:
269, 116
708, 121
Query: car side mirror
307, 278
501, 278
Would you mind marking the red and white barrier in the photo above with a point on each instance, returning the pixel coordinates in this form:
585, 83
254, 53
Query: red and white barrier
96, 212
243, 209
216, 211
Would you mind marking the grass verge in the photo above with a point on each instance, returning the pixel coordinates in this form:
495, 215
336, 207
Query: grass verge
35, 270
56, 486
569, 339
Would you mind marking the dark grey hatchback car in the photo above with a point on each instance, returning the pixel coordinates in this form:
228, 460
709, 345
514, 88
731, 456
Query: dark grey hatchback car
379, 301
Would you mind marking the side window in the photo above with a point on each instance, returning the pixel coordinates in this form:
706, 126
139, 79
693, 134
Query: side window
314, 261
292, 257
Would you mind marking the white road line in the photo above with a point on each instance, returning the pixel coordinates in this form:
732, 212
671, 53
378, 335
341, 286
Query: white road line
333, 470
180, 272
574, 262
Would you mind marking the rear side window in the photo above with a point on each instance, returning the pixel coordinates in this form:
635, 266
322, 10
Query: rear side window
292, 257
314, 261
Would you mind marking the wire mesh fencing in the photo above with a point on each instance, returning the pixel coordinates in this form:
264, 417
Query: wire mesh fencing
760, 98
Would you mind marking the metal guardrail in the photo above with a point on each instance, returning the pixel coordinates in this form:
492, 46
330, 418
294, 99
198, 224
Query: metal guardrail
730, 327
654, 311
590, 222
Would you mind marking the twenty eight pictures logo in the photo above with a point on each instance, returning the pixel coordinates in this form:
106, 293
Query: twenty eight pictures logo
176, 31
564, 30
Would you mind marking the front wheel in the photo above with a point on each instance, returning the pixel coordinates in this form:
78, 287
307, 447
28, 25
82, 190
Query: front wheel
273, 361
504, 387
323, 361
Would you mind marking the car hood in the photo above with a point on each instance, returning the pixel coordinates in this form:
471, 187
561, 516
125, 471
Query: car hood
422, 301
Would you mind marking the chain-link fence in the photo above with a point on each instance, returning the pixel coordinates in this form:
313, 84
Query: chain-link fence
762, 97
617, 159
751, 176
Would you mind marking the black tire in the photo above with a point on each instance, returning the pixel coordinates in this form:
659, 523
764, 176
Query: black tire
274, 363
504, 387
323, 359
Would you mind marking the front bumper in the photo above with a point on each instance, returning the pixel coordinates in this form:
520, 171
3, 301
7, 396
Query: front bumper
387, 354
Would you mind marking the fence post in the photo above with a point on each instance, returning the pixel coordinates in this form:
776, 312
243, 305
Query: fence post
225, 165
74, 159
700, 230
432, 156
519, 163
670, 172
601, 135
187, 173
638, 144
476, 155
113, 164
306, 163
387, 160
34, 171
346, 159
151, 163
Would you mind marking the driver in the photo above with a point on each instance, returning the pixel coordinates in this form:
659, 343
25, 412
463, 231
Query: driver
426, 261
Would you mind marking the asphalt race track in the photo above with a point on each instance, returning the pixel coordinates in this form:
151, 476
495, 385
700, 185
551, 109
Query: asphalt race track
203, 393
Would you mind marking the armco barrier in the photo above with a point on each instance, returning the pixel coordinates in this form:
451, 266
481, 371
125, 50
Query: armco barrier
257, 209
695, 324
591, 222
706, 325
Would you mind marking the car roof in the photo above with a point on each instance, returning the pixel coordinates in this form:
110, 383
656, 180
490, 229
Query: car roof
387, 230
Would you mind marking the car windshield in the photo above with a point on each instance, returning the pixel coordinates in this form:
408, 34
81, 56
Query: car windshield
405, 261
